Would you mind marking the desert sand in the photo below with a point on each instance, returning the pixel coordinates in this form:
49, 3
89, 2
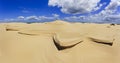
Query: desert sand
59, 42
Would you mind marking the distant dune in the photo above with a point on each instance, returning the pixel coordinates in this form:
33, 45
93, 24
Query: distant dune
59, 42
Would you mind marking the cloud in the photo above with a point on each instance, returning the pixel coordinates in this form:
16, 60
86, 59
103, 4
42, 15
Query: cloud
74, 6
94, 19
46, 18
111, 8
21, 17
56, 16
75, 18
84, 19
109, 15
99, 6
31, 18
112, 19
39, 18
113, 4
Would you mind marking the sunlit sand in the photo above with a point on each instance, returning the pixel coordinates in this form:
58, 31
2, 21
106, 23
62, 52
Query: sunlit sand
59, 42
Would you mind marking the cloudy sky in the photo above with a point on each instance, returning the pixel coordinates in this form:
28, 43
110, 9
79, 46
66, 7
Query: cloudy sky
101, 11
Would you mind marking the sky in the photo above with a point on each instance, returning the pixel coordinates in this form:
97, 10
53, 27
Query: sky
101, 11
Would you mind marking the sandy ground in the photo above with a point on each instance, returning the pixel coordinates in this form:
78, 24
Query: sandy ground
59, 42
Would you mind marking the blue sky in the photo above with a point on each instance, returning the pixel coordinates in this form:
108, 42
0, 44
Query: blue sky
12, 9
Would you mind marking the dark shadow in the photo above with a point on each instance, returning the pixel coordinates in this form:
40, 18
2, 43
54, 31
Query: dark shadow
11, 30
60, 47
110, 44
27, 34
112, 24
101, 42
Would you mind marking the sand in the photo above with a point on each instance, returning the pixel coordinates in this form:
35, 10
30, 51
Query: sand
59, 42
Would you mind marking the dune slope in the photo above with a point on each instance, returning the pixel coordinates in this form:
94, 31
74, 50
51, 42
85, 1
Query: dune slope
59, 42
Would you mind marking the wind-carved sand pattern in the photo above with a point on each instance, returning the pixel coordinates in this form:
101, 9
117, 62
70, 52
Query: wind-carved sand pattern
59, 45
101, 41
11, 29
65, 45
59, 42
35, 32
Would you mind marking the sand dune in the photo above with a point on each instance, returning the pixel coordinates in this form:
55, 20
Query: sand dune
59, 42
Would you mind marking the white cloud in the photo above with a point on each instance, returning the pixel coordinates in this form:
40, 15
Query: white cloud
99, 6
108, 15
112, 18
31, 18
79, 7
75, 18
111, 8
45, 18
56, 16
75, 6
21, 17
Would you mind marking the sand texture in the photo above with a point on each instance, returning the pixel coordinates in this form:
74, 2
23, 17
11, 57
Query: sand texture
59, 42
